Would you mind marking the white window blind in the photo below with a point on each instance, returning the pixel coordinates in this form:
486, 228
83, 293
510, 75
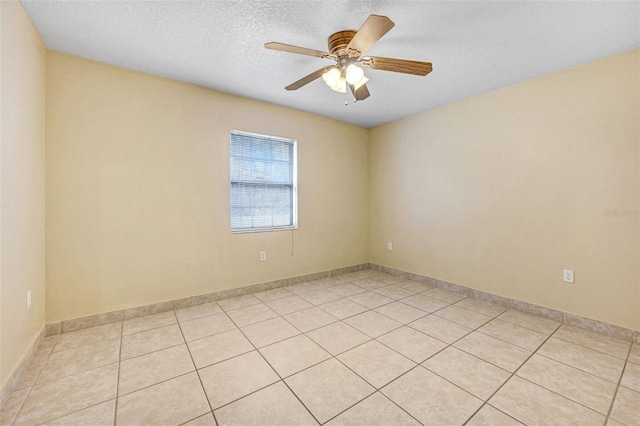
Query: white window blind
263, 183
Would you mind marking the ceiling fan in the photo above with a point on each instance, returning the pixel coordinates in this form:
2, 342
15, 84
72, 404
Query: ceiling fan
346, 48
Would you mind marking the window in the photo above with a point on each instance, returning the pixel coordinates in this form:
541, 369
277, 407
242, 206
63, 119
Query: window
263, 183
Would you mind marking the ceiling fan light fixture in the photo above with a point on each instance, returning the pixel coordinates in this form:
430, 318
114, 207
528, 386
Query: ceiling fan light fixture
354, 74
332, 78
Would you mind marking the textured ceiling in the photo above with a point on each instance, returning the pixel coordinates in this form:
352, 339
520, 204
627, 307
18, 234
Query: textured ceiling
475, 46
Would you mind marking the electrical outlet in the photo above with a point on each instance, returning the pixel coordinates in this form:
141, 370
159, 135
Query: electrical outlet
567, 275
389, 246
263, 256
29, 299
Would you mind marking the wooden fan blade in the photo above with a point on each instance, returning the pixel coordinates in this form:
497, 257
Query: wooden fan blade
308, 79
299, 50
361, 93
371, 31
397, 65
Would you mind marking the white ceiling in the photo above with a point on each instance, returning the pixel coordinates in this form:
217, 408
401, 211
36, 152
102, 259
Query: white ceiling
475, 46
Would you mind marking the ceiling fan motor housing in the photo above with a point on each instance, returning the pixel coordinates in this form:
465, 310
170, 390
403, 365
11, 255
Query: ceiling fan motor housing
339, 41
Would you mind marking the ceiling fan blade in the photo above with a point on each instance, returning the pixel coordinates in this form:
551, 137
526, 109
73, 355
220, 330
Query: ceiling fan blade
361, 93
308, 79
300, 50
371, 31
397, 65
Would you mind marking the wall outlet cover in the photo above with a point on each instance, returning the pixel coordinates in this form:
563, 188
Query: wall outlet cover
567, 275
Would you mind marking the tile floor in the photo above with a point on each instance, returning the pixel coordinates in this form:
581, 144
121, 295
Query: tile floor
361, 348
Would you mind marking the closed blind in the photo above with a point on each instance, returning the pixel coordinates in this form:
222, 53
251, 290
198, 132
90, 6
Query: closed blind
262, 182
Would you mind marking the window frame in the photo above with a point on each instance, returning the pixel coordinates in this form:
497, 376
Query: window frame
294, 184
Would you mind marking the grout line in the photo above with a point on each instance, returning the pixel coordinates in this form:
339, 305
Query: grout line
615, 393
32, 385
275, 371
510, 377
115, 411
195, 369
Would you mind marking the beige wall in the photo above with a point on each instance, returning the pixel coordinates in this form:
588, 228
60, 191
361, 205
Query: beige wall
503, 191
22, 144
137, 191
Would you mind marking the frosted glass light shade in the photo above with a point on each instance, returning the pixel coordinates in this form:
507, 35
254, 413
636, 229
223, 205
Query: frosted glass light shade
332, 78
354, 74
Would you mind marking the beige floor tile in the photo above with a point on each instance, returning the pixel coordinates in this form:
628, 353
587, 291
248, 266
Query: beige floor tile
251, 314
414, 286
612, 422
592, 340
372, 323
481, 306
206, 326
289, 304
594, 362
274, 405
514, 334
634, 355
88, 336
400, 312
625, 407
98, 415
431, 399
532, 322
150, 341
269, 331
583, 388
346, 290
489, 416
236, 377
172, 402
273, 294
31, 373
375, 410
631, 377
472, 374
218, 347
424, 303
73, 361
48, 401
534, 405
370, 300
206, 420
136, 325
293, 355
238, 302
411, 343
370, 283
394, 292
499, 353
338, 337
342, 308
328, 388
463, 316
310, 319
198, 311
304, 288
440, 328
10, 409
155, 367
376, 363
318, 297
444, 295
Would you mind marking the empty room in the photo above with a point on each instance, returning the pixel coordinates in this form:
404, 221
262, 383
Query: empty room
286, 212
